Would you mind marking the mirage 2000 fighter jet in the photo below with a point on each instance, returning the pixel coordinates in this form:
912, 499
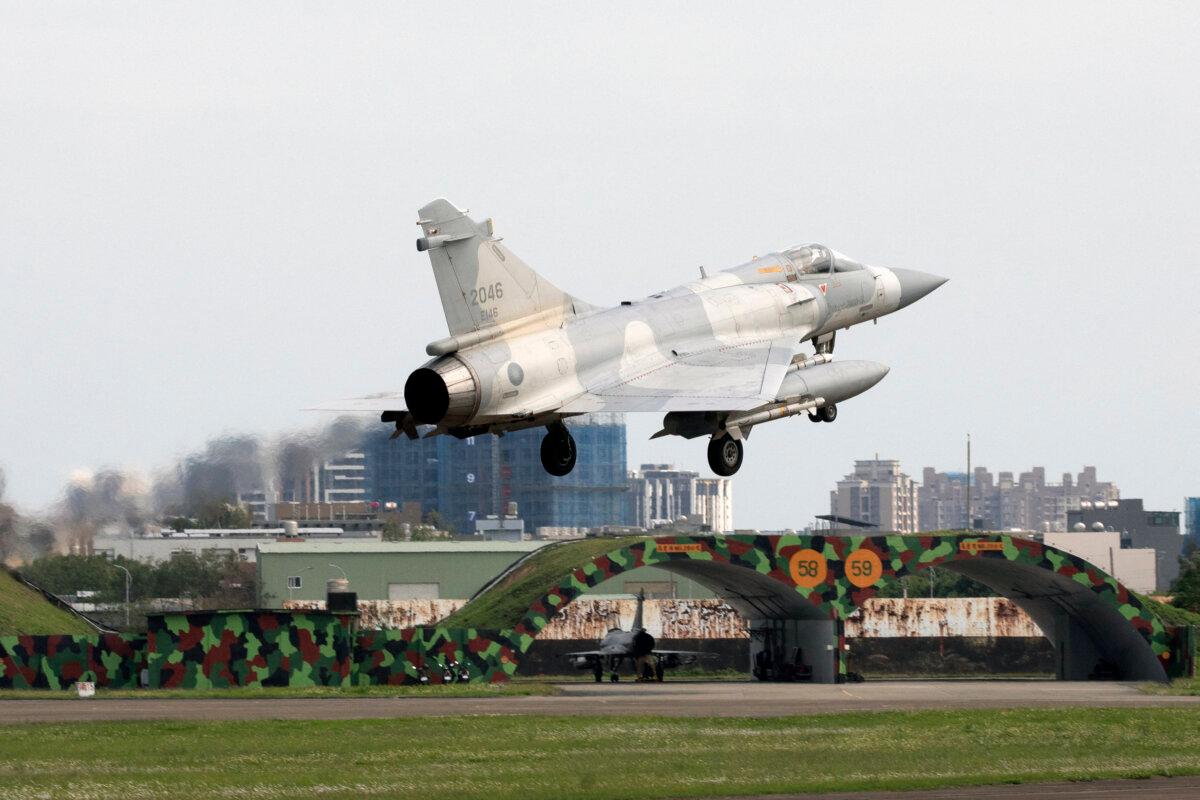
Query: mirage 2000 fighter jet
718, 356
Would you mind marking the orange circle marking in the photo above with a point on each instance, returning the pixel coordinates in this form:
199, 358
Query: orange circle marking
808, 568
863, 568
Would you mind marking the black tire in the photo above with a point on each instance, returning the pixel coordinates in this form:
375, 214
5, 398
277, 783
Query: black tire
558, 452
815, 416
658, 672
614, 678
828, 412
599, 674
725, 455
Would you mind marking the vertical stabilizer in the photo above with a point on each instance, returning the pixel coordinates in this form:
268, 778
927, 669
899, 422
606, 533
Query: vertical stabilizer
637, 615
481, 282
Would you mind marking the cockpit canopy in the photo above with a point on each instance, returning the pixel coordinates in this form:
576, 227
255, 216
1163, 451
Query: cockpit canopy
812, 259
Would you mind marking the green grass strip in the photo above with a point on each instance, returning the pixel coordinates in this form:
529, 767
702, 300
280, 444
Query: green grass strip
532, 758
24, 611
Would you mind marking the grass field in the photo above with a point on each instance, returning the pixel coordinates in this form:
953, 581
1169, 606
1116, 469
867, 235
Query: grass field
288, 692
1179, 686
23, 610
532, 758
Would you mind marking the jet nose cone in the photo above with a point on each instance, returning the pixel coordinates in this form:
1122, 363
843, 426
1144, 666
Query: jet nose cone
914, 285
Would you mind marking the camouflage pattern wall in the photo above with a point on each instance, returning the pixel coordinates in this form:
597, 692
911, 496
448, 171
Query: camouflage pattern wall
111, 660
220, 649
431, 654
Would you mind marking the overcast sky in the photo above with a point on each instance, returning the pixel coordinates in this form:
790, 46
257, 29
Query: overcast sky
207, 214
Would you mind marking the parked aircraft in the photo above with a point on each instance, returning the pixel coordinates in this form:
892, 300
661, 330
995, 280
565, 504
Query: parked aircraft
635, 644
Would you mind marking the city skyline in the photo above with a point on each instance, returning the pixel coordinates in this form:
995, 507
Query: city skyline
273, 449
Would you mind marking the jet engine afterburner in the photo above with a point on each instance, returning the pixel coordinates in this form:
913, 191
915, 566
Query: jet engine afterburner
443, 392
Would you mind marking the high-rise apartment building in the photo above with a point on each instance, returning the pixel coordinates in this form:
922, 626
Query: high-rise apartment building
1002, 502
877, 492
468, 479
1191, 519
660, 493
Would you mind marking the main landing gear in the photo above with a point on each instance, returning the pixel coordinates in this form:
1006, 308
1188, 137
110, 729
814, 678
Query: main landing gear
558, 450
826, 413
725, 455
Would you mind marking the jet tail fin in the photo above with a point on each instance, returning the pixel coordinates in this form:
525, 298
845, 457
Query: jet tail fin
637, 615
481, 282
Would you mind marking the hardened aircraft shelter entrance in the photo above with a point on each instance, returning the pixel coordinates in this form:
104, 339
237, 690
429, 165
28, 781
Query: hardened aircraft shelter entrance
797, 592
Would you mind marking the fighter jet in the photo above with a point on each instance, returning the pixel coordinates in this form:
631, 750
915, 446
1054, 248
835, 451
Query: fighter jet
635, 644
717, 356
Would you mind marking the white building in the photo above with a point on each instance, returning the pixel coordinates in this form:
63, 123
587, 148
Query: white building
877, 492
242, 542
342, 479
661, 494
1136, 567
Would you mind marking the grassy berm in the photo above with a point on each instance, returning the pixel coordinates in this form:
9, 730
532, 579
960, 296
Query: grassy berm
532, 758
503, 604
24, 611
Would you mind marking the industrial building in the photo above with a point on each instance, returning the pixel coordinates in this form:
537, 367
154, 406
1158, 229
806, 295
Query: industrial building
422, 571
1136, 567
1139, 528
241, 542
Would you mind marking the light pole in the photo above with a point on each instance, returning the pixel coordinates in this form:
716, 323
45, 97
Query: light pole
128, 583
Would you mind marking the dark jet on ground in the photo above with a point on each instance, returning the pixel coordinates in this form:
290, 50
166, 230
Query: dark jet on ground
635, 644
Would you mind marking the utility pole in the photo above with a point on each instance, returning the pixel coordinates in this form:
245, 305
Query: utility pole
970, 525
128, 583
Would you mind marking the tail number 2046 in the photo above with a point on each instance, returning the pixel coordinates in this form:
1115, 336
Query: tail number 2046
486, 293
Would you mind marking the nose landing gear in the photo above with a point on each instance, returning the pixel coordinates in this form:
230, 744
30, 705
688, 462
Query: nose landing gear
725, 455
558, 450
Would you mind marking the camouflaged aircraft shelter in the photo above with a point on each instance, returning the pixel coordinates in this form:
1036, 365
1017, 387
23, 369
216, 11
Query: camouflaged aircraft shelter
797, 591
794, 591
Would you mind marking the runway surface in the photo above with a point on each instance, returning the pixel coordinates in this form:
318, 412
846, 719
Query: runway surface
683, 699
1151, 789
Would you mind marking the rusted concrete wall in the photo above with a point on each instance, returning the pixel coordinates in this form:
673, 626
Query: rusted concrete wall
895, 618
664, 619
993, 617
389, 613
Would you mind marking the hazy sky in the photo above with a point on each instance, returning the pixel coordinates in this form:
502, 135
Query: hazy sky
207, 214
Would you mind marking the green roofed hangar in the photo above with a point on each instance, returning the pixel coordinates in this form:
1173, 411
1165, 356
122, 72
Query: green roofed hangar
432, 570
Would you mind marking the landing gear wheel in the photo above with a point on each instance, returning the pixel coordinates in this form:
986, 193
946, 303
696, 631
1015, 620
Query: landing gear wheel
614, 677
725, 455
827, 413
815, 416
658, 672
598, 674
558, 451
